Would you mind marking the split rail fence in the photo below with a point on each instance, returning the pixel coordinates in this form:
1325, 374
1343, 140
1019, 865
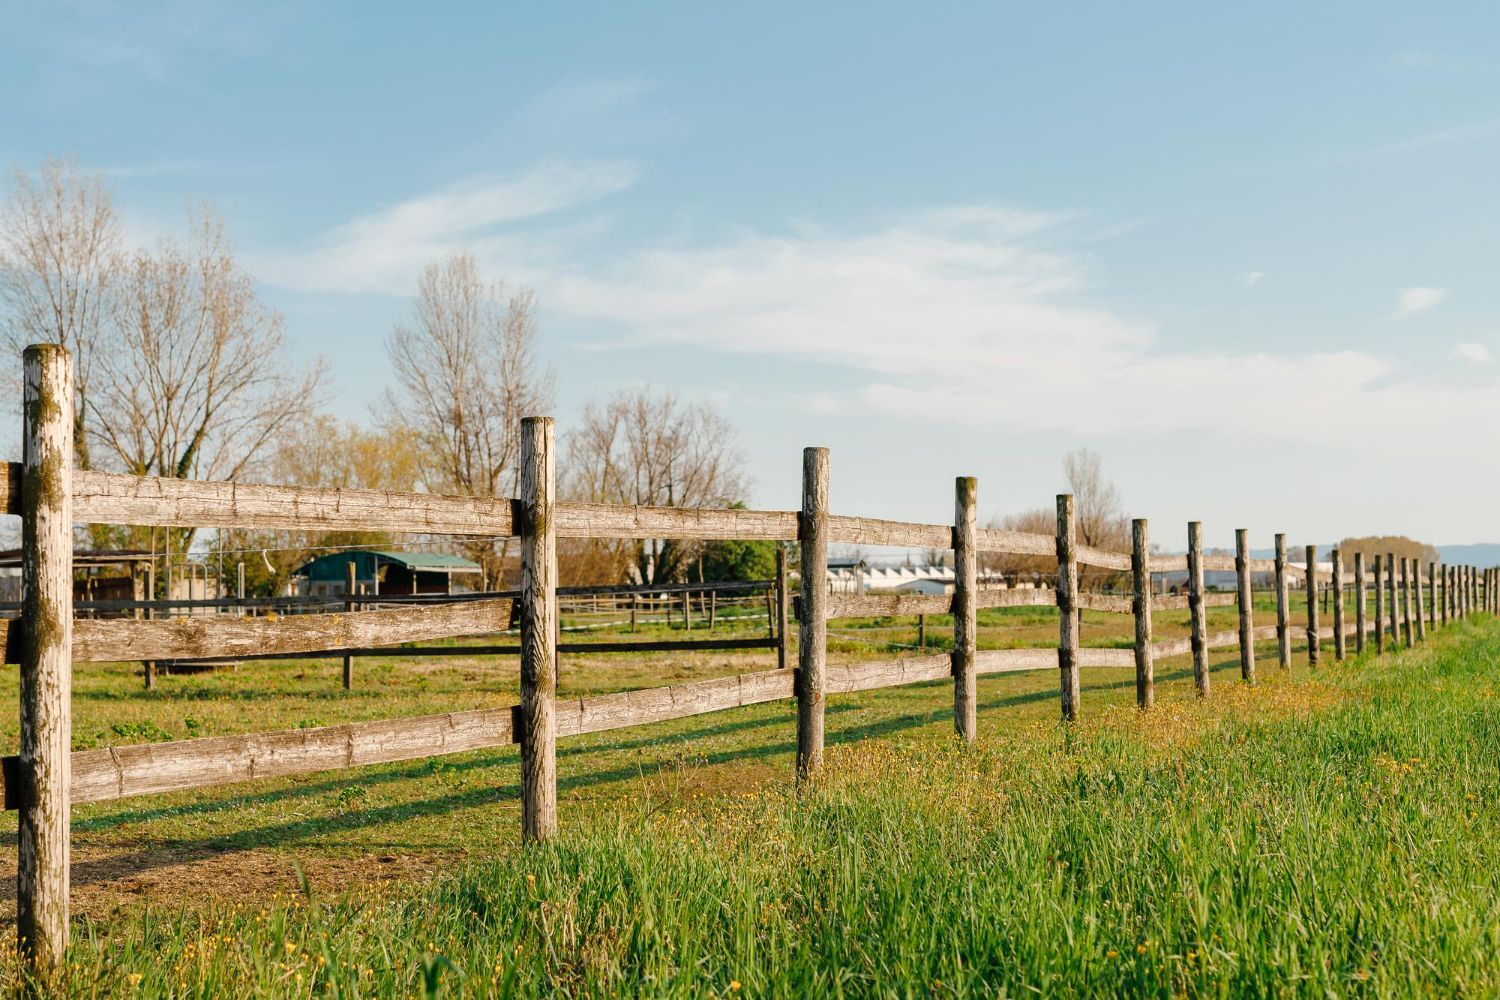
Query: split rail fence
46, 777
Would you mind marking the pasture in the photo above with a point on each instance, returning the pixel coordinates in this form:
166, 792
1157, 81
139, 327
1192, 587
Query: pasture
1323, 831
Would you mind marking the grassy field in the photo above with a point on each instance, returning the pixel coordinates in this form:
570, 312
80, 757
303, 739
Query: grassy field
1328, 832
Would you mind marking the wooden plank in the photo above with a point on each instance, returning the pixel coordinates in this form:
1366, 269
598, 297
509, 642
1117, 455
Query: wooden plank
153, 768
44, 765
116, 639
1262, 565
1037, 598
1262, 633
1005, 661
107, 498
965, 621
1168, 564
886, 605
1018, 543
1179, 602
537, 524
1140, 597
1104, 602
874, 531
1104, 558
678, 701
1095, 656
590, 520
812, 630
1172, 647
868, 676
1221, 640
1219, 563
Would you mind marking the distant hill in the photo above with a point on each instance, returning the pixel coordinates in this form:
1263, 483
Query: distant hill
1474, 554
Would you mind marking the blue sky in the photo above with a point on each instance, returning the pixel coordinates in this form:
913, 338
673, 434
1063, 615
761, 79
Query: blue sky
1248, 255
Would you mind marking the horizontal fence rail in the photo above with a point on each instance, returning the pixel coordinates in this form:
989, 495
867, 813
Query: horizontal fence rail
45, 778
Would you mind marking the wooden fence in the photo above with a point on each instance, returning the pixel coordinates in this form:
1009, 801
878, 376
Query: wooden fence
45, 778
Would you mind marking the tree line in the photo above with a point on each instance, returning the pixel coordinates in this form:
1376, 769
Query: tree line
182, 373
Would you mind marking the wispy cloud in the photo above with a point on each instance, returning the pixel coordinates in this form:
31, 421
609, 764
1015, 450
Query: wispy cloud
1410, 301
1252, 278
383, 251
1471, 351
568, 102
1454, 137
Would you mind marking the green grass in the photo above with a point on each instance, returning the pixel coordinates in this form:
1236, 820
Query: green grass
1325, 833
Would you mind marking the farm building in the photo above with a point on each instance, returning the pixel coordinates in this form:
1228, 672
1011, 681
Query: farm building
97, 576
379, 571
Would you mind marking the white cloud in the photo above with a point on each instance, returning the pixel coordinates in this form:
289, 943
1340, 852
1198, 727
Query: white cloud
566, 103
1410, 301
384, 251
1471, 351
1453, 137
1252, 278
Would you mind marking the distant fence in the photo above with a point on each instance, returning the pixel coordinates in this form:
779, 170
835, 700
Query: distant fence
46, 777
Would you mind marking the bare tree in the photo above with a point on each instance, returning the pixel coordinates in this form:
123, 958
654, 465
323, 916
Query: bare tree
191, 381
58, 239
466, 373
647, 446
1096, 502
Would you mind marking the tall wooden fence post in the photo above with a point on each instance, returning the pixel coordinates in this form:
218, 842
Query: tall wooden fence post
1140, 606
1283, 608
1406, 631
965, 607
1420, 618
1245, 601
46, 658
1379, 605
149, 666
1199, 622
1312, 605
1067, 606
812, 631
351, 582
1359, 602
1337, 585
780, 611
538, 531
1432, 597
1391, 610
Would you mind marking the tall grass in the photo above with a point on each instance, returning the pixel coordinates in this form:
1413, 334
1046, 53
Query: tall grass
1335, 835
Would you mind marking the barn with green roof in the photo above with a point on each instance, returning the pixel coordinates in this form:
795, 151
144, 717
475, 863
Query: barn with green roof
386, 571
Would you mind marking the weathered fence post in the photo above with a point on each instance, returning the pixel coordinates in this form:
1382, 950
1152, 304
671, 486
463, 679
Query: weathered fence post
1247, 625
781, 604
46, 658
1379, 606
1337, 586
1419, 618
1283, 608
812, 632
965, 607
149, 666
538, 531
1359, 602
1196, 616
1312, 606
1140, 607
1441, 598
713, 608
1067, 606
1407, 632
921, 631
351, 581
1432, 597
1390, 593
